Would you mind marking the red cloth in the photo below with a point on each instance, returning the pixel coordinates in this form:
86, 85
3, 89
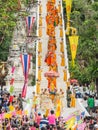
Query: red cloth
11, 99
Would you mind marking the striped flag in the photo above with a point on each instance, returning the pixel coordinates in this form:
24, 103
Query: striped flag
25, 59
29, 23
24, 90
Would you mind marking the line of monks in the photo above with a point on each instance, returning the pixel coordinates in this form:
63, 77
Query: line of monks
52, 20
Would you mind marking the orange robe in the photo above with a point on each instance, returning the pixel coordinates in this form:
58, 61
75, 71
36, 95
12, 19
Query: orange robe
39, 60
39, 47
40, 9
65, 75
73, 101
49, 81
53, 68
40, 21
38, 87
62, 60
53, 58
61, 47
39, 74
60, 21
40, 32
61, 32
59, 8
48, 58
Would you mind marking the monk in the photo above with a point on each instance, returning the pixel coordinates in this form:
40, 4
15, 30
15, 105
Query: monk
40, 47
60, 20
53, 1
61, 32
40, 21
59, 7
39, 60
49, 26
52, 47
38, 87
40, 32
52, 31
62, 59
39, 73
65, 75
49, 6
52, 40
40, 9
56, 20
61, 47
73, 100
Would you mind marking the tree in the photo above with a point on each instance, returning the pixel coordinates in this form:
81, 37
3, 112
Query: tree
8, 19
84, 17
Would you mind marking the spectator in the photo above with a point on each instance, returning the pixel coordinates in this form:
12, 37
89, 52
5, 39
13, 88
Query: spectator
91, 104
85, 103
52, 118
44, 122
68, 97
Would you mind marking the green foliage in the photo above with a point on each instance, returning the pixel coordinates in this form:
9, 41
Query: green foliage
8, 9
84, 17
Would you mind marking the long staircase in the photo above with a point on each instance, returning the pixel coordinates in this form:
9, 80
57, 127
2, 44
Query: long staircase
61, 84
43, 38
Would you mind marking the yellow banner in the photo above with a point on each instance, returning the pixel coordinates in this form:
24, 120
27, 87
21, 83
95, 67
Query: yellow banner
68, 8
73, 45
70, 123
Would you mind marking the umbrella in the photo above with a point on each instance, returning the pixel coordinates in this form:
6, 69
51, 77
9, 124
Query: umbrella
73, 81
51, 74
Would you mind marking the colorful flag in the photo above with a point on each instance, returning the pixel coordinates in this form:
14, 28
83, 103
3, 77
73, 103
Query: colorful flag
68, 8
29, 23
13, 69
11, 89
24, 90
73, 45
12, 81
25, 59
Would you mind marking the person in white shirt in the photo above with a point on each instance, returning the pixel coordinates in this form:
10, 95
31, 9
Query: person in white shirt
85, 103
96, 102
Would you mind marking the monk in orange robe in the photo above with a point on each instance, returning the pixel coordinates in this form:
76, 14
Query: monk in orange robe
40, 47
52, 40
38, 87
40, 9
39, 60
60, 20
61, 47
59, 7
65, 75
61, 32
62, 59
39, 73
40, 32
40, 21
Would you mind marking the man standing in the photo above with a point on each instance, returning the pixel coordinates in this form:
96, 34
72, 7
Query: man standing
91, 104
68, 96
